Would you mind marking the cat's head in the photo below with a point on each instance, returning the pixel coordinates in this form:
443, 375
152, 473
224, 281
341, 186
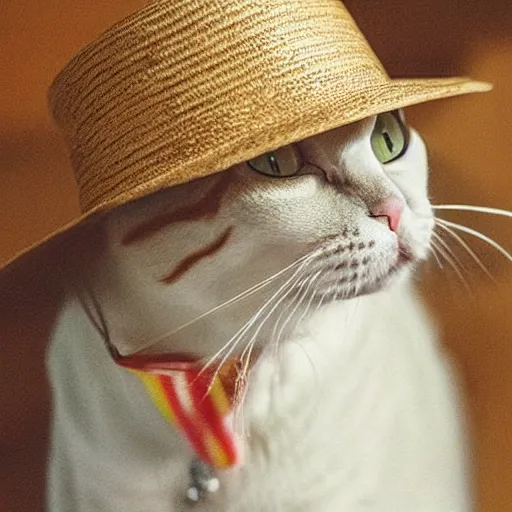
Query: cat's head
345, 213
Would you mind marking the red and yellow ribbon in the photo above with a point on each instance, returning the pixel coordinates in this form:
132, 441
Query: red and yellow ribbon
198, 403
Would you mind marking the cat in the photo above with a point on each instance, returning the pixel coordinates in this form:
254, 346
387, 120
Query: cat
351, 405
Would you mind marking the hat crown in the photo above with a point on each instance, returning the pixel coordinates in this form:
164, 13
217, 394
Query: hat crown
172, 92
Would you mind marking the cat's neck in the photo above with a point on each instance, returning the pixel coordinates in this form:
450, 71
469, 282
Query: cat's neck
354, 394
334, 353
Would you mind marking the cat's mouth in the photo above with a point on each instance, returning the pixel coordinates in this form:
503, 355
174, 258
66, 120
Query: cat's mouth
361, 272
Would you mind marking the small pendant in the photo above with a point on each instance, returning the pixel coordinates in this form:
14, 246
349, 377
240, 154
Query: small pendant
203, 481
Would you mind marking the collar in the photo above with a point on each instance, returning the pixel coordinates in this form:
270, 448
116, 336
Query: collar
199, 403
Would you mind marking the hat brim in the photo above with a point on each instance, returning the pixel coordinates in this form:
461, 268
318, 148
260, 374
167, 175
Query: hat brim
397, 93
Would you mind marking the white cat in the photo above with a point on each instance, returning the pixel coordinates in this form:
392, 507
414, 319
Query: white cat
350, 406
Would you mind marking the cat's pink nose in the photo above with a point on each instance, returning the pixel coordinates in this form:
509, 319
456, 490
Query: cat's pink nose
390, 209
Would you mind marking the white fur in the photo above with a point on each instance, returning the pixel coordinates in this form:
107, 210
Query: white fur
355, 412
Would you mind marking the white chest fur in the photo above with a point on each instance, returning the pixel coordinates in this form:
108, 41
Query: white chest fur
358, 414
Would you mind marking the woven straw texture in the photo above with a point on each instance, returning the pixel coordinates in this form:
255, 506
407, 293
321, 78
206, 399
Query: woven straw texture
186, 88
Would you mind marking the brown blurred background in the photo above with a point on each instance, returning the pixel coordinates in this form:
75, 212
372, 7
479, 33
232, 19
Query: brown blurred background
471, 150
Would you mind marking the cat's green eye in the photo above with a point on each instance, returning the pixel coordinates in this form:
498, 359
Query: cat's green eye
390, 136
282, 162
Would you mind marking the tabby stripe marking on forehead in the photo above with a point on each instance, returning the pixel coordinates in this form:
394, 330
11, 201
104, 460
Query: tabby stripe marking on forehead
205, 208
194, 258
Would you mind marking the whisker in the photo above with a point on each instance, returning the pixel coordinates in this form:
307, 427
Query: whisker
230, 346
232, 343
308, 307
321, 303
299, 302
310, 360
468, 249
449, 250
248, 348
434, 249
447, 254
232, 300
239, 334
251, 343
456, 269
295, 300
288, 306
276, 342
246, 355
472, 208
477, 234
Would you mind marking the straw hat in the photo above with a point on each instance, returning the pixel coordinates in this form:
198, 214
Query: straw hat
185, 88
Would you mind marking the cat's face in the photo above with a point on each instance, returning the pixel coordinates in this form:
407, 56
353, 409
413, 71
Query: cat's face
352, 223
